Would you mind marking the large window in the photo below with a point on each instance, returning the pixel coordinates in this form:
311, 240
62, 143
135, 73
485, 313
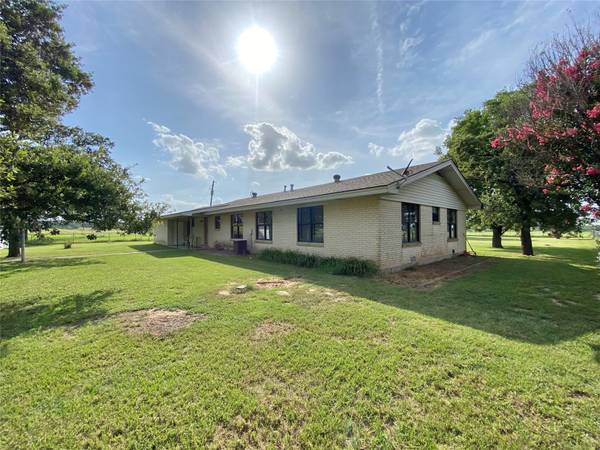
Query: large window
452, 225
310, 224
410, 222
217, 222
435, 214
237, 226
264, 226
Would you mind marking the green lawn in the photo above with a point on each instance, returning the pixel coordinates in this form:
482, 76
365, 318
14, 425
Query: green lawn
508, 356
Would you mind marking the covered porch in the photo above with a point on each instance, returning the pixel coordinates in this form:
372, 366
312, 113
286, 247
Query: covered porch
186, 231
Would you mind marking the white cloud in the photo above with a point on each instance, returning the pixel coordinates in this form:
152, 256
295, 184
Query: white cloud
419, 142
375, 149
379, 54
473, 47
274, 148
187, 155
175, 204
407, 50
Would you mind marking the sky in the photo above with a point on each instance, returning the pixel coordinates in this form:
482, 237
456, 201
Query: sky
355, 86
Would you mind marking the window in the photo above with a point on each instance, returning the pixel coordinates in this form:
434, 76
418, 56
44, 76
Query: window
452, 225
237, 226
310, 224
217, 222
410, 222
435, 214
264, 226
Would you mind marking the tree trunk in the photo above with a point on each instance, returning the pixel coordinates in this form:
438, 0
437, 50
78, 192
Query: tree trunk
497, 237
14, 244
526, 244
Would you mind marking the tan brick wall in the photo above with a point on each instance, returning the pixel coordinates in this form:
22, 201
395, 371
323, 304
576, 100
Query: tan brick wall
363, 227
351, 228
434, 244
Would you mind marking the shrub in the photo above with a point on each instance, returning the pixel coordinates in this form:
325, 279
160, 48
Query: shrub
67, 244
92, 237
54, 231
336, 266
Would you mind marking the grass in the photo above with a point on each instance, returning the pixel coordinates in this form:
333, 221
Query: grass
508, 356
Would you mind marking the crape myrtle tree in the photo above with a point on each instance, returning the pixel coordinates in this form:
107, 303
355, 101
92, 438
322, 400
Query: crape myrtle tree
560, 130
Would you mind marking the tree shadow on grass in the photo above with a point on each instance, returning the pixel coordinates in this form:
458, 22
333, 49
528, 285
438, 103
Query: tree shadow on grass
13, 267
542, 301
73, 310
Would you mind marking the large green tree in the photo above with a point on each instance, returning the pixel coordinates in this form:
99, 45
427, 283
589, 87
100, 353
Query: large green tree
507, 178
40, 80
49, 171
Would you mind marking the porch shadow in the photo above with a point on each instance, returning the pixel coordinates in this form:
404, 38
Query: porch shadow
530, 300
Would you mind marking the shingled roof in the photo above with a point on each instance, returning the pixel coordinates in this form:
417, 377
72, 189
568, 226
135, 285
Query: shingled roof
375, 180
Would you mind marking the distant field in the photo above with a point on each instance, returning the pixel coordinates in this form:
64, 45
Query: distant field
79, 235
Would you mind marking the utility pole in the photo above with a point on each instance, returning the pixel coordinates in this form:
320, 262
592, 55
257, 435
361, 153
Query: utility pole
212, 191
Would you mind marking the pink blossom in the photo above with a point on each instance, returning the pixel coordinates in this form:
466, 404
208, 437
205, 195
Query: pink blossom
545, 191
593, 112
592, 171
597, 127
495, 143
550, 179
596, 214
585, 208
571, 131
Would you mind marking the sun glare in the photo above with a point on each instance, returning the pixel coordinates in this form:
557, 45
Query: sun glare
256, 50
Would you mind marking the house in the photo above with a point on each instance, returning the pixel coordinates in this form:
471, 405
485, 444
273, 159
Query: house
393, 218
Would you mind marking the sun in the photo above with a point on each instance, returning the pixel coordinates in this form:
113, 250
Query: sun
256, 50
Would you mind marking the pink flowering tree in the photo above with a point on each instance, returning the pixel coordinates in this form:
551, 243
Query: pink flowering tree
560, 131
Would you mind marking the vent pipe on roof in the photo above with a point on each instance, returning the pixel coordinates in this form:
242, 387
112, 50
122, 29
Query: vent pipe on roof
285, 188
336, 178
254, 194
291, 187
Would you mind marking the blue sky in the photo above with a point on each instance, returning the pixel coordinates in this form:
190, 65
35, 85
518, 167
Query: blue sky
355, 87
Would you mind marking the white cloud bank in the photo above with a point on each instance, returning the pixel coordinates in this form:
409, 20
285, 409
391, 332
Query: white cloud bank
187, 155
418, 142
274, 148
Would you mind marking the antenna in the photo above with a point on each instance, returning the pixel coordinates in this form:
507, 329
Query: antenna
212, 191
407, 166
397, 173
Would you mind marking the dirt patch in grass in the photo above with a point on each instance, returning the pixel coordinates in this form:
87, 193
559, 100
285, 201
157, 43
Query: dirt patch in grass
270, 329
268, 283
433, 275
157, 322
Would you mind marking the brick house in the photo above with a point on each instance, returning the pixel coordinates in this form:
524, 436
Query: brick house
393, 218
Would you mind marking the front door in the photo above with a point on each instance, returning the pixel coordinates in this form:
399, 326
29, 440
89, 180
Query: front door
205, 230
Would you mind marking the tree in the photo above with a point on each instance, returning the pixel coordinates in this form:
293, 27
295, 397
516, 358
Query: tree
142, 216
70, 175
41, 77
561, 127
40, 80
507, 176
468, 146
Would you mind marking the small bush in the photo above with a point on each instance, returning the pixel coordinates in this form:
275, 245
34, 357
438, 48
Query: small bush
336, 266
67, 244
92, 237
54, 231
